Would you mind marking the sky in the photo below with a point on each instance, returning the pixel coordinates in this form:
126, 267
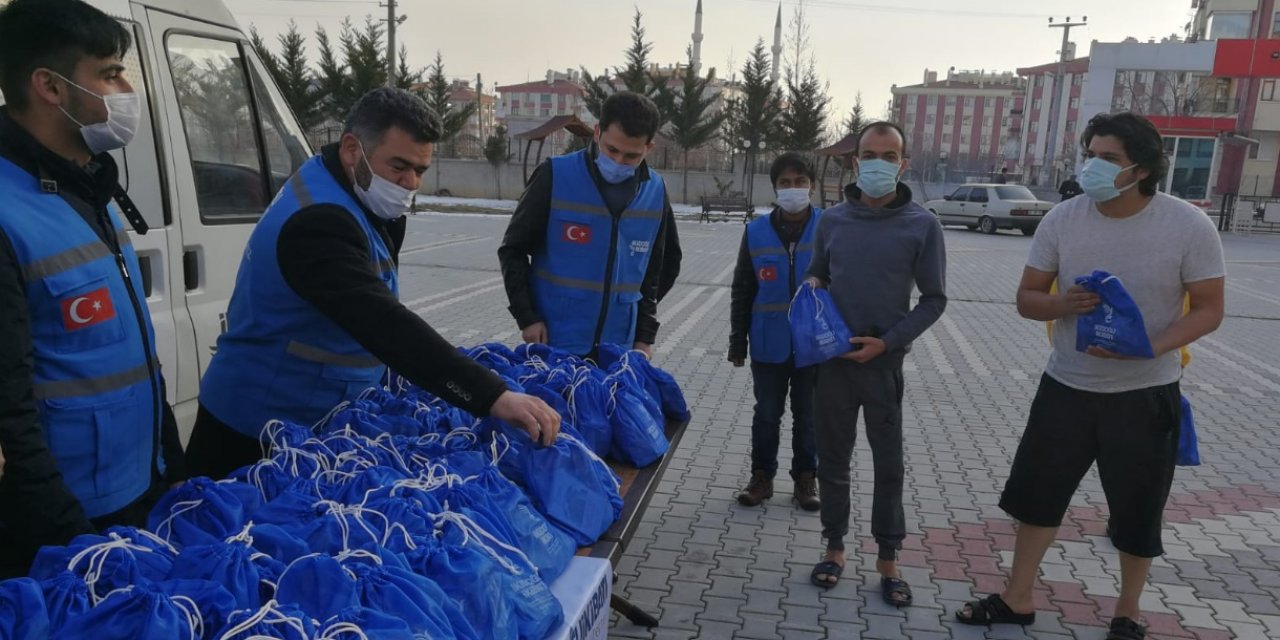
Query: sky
862, 46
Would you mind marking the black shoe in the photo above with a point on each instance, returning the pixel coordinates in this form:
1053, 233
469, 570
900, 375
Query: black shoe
1126, 629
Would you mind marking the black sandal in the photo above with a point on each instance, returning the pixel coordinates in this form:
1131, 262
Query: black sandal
896, 591
829, 568
993, 610
1126, 629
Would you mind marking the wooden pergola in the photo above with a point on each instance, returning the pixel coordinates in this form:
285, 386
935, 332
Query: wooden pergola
844, 149
540, 134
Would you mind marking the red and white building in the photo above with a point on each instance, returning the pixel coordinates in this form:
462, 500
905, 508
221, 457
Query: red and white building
968, 123
1041, 87
522, 107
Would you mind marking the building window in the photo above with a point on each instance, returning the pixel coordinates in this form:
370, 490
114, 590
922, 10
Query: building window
1269, 90
1035, 104
946, 138
968, 102
1035, 127
951, 101
1075, 103
929, 119
1230, 25
949, 120
1275, 24
964, 138
933, 101
968, 121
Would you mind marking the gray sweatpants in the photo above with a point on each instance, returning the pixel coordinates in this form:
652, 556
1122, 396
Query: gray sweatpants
844, 388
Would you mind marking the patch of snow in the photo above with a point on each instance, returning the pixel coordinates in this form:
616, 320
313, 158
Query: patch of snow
479, 203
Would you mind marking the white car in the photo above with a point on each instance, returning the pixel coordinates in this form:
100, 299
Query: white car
991, 207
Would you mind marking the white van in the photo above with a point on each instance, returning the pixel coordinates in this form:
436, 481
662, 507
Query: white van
219, 143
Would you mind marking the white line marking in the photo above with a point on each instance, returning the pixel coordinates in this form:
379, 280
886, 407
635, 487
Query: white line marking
966, 348
452, 301
445, 294
665, 346
441, 245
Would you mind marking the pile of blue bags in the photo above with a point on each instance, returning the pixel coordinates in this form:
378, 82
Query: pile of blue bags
398, 516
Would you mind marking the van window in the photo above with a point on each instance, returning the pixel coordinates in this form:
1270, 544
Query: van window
226, 153
287, 147
139, 162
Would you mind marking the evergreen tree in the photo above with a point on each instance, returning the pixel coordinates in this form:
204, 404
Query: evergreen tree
803, 123
857, 118
268, 60
335, 86
634, 76
406, 77
754, 115
693, 123
496, 152
296, 80
453, 117
366, 58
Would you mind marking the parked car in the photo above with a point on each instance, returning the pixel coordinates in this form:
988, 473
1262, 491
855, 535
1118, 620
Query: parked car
991, 207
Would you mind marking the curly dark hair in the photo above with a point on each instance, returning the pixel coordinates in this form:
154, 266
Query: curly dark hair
1142, 143
52, 34
386, 107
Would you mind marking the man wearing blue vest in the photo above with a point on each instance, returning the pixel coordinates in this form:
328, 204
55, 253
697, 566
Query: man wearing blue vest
315, 319
592, 246
90, 441
772, 263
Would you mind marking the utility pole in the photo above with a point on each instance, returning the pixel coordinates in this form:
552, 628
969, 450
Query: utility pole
1055, 108
392, 21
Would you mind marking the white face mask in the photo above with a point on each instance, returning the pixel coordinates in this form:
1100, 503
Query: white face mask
124, 112
384, 198
793, 200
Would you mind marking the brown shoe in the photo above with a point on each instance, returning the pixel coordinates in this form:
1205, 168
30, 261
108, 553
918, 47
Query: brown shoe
758, 490
807, 491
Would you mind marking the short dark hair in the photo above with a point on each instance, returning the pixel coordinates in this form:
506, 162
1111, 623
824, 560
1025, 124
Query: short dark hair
794, 162
1142, 143
637, 114
385, 107
883, 126
53, 34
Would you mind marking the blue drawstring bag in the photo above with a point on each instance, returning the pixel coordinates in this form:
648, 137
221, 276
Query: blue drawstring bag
293, 509
104, 563
415, 599
1116, 324
344, 528
572, 487
274, 620
277, 543
266, 475
318, 585
229, 564
23, 615
588, 399
472, 580
818, 333
137, 613
211, 600
674, 404
66, 595
360, 623
629, 370
638, 439
503, 510
202, 511
1188, 443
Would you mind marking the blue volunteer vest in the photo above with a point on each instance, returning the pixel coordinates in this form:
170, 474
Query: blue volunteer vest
779, 274
572, 284
280, 358
97, 379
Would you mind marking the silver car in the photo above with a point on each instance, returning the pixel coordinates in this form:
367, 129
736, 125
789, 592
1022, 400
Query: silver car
991, 207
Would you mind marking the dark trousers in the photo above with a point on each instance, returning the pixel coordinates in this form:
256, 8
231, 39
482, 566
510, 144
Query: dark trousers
772, 383
215, 449
844, 389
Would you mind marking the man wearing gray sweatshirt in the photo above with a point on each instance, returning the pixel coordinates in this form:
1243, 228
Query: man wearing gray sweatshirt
870, 252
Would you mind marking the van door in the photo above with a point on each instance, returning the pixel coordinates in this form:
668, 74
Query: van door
233, 147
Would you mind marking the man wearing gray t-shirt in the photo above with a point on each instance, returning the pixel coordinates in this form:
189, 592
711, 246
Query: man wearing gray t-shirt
1123, 413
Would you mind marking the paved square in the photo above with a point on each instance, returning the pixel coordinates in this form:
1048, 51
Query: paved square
709, 568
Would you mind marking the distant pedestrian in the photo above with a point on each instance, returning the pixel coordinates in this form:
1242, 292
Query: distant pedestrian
1003, 176
872, 251
1095, 406
775, 254
1070, 188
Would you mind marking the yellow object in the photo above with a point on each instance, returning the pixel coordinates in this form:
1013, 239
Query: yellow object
1185, 351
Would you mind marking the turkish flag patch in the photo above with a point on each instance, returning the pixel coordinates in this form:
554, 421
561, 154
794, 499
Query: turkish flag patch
83, 311
577, 233
768, 274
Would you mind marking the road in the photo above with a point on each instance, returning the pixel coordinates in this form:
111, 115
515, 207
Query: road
712, 569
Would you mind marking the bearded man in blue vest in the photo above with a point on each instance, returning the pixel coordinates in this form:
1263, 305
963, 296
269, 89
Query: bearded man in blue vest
315, 318
772, 263
592, 246
90, 441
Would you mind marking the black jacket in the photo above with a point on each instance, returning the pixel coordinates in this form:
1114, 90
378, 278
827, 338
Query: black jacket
36, 506
527, 233
742, 295
324, 258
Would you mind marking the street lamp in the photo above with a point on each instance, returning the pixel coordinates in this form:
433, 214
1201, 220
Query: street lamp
751, 147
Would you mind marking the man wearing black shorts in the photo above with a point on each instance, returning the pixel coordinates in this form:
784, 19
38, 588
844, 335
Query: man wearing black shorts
1094, 405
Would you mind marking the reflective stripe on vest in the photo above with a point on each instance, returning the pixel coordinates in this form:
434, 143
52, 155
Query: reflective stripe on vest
569, 280
770, 336
280, 358
96, 398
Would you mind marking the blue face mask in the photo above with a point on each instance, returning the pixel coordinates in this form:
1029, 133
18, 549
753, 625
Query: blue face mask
1098, 179
613, 172
877, 178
